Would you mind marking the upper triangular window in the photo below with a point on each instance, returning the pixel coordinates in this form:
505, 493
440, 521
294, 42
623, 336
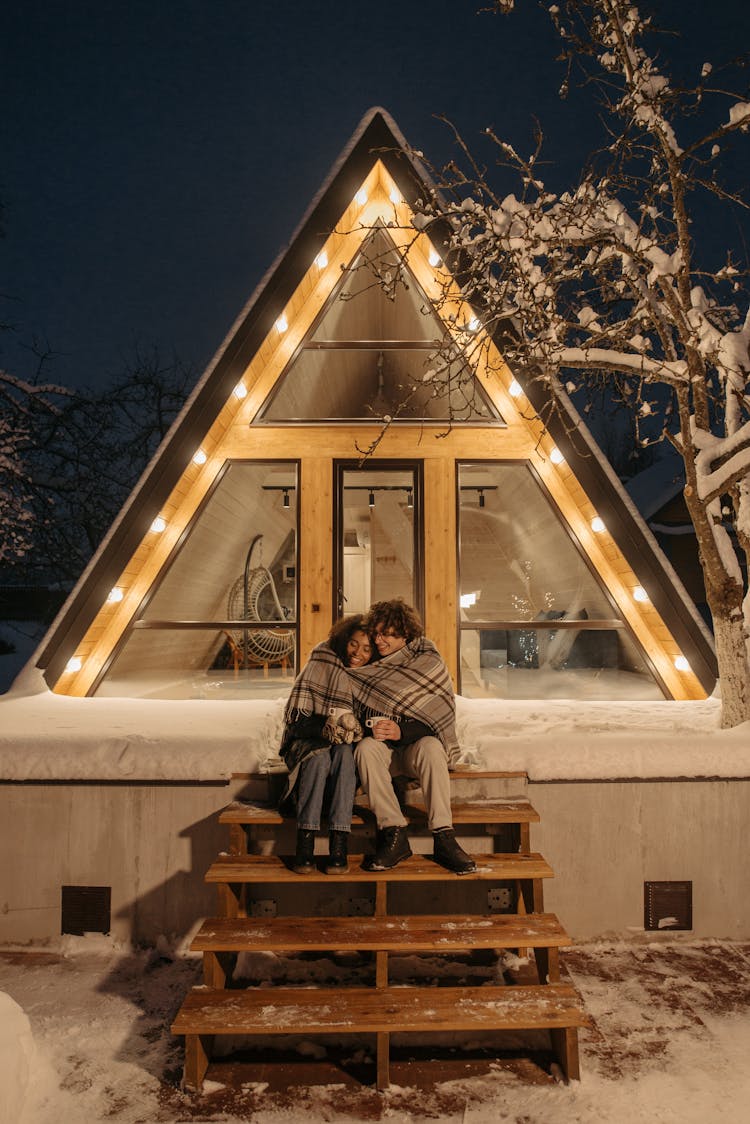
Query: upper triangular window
371, 353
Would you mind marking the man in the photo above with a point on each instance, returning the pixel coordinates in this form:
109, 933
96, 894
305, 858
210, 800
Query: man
407, 699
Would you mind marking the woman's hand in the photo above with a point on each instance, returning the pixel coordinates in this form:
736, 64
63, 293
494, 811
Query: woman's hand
385, 730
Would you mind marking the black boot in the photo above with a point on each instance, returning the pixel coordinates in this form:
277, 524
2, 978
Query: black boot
449, 853
392, 848
338, 852
304, 858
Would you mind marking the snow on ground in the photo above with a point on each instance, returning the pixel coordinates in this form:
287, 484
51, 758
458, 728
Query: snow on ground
669, 1043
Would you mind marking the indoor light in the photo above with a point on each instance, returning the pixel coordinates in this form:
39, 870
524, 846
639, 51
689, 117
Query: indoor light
361, 197
681, 664
434, 258
322, 260
75, 663
409, 497
556, 456
467, 600
240, 391
114, 595
282, 323
597, 525
371, 499
516, 392
159, 524
481, 496
639, 594
200, 457
286, 497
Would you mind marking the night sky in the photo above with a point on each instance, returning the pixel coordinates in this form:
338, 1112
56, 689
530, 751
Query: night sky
156, 156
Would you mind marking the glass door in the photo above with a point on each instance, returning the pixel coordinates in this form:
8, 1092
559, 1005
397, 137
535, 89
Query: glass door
378, 535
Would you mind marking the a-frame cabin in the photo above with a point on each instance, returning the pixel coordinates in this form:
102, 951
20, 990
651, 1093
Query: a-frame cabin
257, 523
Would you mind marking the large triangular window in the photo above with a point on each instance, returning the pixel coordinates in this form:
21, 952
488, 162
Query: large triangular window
373, 351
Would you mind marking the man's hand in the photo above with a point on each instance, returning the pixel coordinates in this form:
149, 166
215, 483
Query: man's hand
385, 730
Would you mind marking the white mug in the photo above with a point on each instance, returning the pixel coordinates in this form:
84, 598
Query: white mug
379, 718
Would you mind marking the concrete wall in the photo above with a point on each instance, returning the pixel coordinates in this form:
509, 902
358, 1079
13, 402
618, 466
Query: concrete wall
153, 843
604, 839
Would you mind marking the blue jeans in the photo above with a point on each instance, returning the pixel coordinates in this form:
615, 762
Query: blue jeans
327, 774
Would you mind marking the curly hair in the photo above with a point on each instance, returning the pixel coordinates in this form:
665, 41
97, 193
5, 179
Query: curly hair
397, 615
342, 632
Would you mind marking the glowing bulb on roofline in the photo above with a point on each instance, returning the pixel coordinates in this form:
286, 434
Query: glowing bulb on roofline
199, 457
159, 524
282, 324
322, 260
114, 595
639, 594
361, 197
516, 392
240, 391
681, 663
434, 258
75, 663
395, 196
556, 456
597, 525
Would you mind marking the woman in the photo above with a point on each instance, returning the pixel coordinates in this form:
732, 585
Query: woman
316, 746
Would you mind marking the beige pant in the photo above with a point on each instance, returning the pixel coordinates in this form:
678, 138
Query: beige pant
425, 760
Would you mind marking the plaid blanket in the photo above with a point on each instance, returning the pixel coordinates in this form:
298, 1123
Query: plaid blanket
412, 683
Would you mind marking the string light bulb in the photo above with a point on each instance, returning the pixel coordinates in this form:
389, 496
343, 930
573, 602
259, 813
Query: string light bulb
361, 197
395, 196
322, 260
75, 663
515, 389
240, 391
114, 595
159, 524
556, 456
639, 594
282, 324
434, 258
200, 457
681, 663
597, 525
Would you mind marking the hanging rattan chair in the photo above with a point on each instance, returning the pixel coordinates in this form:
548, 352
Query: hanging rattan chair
253, 597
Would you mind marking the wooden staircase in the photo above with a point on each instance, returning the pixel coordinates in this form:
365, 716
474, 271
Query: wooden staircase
509, 877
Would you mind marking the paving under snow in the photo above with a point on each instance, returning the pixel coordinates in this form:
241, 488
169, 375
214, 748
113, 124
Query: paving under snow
84, 1039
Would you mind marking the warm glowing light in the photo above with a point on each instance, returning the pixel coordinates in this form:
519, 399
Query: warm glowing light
322, 260
361, 197
435, 258
515, 390
114, 595
556, 456
395, 196
200, 457
681, 664
467, 600
240, 391
639, 594
282, 323
473, 324
159, 524
597, 525
75, 663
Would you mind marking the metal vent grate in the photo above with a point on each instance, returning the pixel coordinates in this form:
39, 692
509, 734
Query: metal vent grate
85, 909
667, 905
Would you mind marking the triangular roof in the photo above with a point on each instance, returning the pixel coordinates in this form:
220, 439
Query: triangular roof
376, 144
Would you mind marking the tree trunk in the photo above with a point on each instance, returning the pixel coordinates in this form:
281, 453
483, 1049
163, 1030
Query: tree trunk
731, 654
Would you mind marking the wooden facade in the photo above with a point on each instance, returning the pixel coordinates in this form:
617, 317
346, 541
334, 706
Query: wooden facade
228, 423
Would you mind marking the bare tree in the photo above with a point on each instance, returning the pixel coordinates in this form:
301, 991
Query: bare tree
616, 280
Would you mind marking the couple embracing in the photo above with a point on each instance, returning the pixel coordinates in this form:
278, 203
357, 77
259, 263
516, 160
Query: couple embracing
374, 701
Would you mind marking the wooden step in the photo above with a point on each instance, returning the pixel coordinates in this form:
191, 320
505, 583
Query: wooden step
436, 933
418, 868
492, 810
382, 1011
